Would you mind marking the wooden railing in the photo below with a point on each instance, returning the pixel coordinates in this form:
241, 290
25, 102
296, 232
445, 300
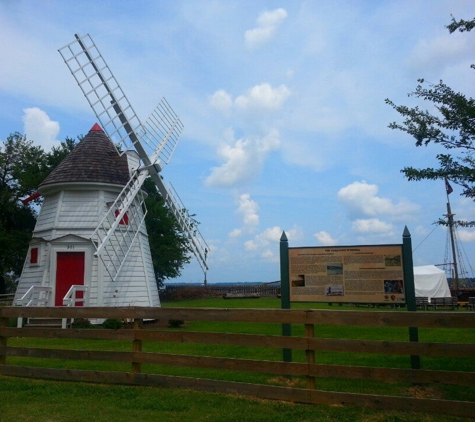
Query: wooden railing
7, 299
140, 334
260, 289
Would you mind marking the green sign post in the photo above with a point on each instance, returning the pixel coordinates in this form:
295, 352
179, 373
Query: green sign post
285, 290
410, 290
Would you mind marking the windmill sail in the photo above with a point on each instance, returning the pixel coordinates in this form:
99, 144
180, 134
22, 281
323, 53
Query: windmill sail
196, 241
154, 142
102, 91
121, 225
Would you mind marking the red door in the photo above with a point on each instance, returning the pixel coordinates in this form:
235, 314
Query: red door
69, 271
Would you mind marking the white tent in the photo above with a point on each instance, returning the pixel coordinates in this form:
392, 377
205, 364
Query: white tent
430, 281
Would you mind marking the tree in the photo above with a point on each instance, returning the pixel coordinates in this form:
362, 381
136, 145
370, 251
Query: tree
168, 244
23, 166
16, 220
452, 126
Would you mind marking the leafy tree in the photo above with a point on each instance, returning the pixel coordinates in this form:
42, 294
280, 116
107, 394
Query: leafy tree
19, 164
23, 166
168, 244
452, 126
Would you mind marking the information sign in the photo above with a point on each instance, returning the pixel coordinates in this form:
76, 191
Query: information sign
366, 274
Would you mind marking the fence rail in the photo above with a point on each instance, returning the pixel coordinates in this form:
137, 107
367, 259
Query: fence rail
140, 334
260, 289
7, 299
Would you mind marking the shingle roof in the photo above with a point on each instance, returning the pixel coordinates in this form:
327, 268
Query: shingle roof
93, 160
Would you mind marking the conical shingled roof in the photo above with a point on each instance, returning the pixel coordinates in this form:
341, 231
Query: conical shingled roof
93, 160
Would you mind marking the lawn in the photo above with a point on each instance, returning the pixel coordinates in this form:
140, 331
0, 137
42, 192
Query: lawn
49, 401
26, 399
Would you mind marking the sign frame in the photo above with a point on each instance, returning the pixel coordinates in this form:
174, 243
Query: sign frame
347, 274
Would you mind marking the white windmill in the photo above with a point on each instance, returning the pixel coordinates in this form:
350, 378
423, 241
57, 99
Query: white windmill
153, 141
87, 216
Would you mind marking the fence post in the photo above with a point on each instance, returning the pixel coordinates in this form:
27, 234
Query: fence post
285, 290
310, 355
137, 345
3, 342
410, 290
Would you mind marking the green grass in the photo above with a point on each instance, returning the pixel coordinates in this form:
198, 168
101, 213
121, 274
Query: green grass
26, 400
50, 401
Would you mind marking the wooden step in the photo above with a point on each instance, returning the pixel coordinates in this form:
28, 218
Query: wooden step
46, 322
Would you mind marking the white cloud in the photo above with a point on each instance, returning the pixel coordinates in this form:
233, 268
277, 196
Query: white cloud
270, 256
262, 240
466, 235
360, 200
235, 233
442, 51
243, 160
248, 210
372, 226
325, 238
263, 97
251, 245
221, 100
40, 128
272, 235
267, 24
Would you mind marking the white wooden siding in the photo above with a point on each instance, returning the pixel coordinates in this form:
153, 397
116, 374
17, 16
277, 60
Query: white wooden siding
148, 265
32, 275
78, 209
133, 286
47, 214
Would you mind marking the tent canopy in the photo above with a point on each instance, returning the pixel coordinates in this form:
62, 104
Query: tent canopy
430, 281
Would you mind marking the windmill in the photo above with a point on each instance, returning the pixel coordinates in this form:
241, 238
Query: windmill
154, 142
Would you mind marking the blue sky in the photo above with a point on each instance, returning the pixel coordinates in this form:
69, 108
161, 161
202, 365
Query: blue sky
283, 105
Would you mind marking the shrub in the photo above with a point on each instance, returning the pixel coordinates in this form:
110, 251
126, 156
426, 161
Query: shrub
112, 324
82, 323
175, 323
12, 323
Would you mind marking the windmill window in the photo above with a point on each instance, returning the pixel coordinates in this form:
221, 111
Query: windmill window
34, 256
124, 221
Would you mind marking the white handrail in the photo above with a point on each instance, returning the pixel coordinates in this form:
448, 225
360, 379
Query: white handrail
71, 299
36, 296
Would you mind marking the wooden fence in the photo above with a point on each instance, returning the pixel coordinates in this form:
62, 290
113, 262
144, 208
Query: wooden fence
6, 299
140, 334
221, 290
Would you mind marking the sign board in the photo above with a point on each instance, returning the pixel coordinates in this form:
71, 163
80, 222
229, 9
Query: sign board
368, 274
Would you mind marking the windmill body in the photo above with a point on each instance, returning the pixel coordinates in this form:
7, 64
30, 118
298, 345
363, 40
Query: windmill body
61, 258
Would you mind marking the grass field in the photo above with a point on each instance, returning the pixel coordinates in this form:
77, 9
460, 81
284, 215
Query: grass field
39, 400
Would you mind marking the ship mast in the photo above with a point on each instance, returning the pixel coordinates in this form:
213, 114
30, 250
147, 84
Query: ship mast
450, 219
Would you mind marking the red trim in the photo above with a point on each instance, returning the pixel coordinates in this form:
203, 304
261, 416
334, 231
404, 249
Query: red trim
30, 198
96, 127
125, 218
34, 256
